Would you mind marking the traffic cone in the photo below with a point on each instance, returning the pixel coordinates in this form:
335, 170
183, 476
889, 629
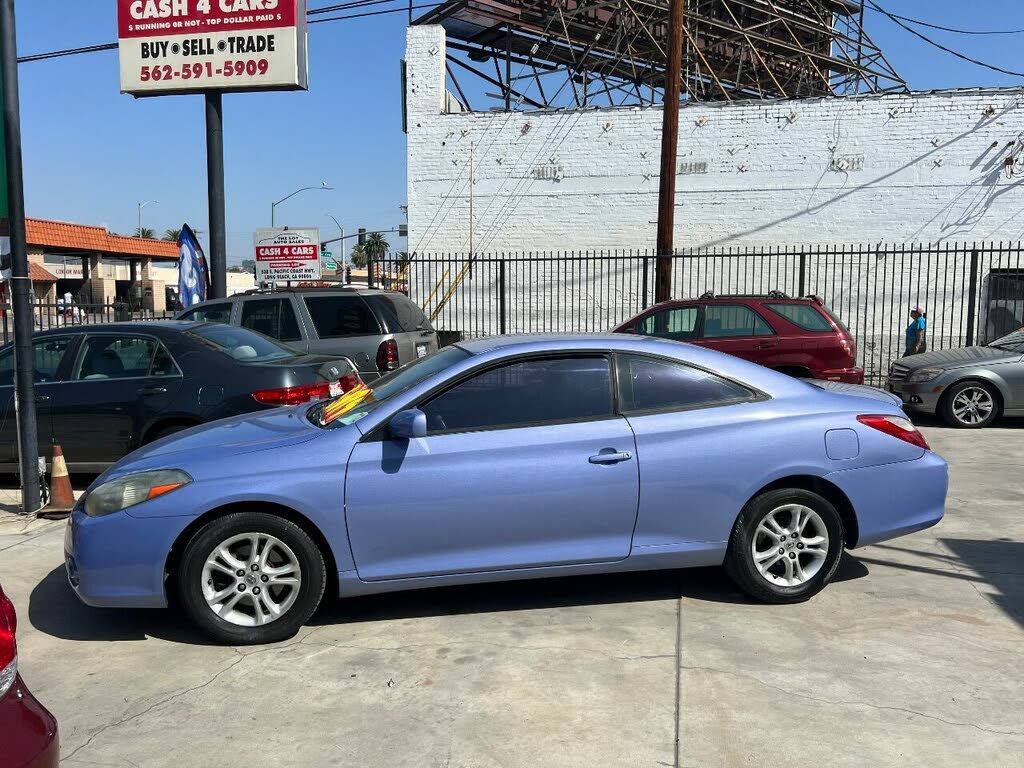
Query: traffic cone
62, 498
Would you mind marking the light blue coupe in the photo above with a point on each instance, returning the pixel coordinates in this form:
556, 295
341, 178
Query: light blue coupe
506, 458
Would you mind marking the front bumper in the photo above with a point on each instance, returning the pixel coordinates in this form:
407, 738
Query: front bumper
843, 375
923, 396
118, 561
895, 499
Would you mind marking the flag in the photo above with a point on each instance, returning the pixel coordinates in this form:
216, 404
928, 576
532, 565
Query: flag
193, 275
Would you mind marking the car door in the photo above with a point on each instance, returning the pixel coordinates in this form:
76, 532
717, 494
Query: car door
118, 384
274, 317
738, 330
524, 465
49, 356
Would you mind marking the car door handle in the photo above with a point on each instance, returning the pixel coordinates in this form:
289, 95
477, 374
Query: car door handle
144, 391
610, 458
766, 344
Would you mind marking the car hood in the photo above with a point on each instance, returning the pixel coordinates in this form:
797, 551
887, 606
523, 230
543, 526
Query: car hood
856, 390
957, 358
209, 444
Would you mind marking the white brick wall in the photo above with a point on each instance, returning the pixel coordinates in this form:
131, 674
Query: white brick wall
925, 167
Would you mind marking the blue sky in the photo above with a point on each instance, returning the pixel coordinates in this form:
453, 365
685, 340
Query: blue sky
92, 154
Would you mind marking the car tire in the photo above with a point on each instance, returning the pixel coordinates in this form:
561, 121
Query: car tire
286, 575
797, 571
970, 405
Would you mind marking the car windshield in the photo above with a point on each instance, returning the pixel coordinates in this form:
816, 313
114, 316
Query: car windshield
1014, 342
240, 343
355, 404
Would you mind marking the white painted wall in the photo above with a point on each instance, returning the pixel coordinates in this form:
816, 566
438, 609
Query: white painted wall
924, 167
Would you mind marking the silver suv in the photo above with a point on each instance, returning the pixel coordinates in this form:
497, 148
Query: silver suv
378, 330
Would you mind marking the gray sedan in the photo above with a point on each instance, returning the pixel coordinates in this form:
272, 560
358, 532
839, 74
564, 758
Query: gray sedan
970, 387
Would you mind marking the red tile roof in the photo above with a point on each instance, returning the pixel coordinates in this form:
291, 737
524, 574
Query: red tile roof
39, 274
80, 237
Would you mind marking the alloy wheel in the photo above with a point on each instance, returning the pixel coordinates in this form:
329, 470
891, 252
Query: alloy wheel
790, 545
973, 405
251, 579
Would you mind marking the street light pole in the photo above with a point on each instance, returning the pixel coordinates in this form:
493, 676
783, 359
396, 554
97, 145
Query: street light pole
323, 186
141, 206
21, 286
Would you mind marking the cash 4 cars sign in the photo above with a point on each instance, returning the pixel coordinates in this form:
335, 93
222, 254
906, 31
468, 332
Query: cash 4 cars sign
191, 46
284, 254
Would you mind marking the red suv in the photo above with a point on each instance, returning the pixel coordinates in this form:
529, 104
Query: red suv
801, 337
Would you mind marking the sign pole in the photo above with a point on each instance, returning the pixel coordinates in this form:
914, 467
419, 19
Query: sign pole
669, 150
13, 210
215, 183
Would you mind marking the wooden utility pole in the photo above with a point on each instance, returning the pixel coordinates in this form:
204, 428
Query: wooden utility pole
669, 149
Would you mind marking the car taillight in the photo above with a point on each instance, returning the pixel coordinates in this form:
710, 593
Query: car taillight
387, 355
8, 648
898, 427
293, 395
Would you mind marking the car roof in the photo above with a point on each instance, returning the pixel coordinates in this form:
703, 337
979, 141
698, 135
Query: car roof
552, 341
343, 289
144, 326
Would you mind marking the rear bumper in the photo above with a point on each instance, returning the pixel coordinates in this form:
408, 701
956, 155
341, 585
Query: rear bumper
844, 375
895, 499
28, 732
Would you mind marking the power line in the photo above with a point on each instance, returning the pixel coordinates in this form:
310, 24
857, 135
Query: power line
315, 11
942, 47
920, 23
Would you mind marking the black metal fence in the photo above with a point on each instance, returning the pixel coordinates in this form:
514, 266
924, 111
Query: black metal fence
971, 292
47, 316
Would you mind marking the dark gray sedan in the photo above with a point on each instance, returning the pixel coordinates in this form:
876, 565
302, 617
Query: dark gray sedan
970, 387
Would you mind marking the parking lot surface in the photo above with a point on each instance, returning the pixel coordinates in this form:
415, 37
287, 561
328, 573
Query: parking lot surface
911, 657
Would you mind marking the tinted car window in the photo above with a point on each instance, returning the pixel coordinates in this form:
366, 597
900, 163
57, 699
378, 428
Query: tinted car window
727, 320
46, 357
400, 314
676, 324
163, 364
271, 317
647, 384
240, 343
335, 317
210, 313
525, 393
802, 315
115, 357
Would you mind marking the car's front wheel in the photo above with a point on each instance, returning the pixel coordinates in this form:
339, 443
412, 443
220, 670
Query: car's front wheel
785, 546
251, 577
970, 405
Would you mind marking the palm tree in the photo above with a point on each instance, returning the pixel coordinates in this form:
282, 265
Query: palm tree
172, 235
358, 256
145, 233
376, 246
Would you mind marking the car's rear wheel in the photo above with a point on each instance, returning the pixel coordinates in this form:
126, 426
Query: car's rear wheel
250, 578
970, 405
785, 546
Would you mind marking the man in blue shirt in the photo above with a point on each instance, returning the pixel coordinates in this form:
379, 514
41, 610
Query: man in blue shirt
916, 343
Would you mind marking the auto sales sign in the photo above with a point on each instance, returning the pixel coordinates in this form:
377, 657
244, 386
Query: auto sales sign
191, 46
284, 255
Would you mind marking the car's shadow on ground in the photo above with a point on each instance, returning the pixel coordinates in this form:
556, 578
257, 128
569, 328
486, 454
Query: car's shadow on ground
54, 608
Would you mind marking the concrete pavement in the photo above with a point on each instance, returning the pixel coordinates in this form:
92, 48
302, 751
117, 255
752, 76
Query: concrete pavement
910, 658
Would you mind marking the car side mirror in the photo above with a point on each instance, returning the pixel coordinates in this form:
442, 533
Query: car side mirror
631, 329
409, 424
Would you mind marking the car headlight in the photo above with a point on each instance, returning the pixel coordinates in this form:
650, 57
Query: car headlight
134, 489
924, 374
